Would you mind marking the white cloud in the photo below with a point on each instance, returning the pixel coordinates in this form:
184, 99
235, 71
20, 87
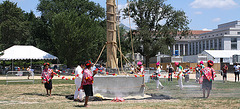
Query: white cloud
213, 4
205, 29
216, 19
198, 12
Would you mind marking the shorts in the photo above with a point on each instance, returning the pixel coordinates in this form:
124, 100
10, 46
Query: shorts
225, 75
48, 85
207, 84
88, 90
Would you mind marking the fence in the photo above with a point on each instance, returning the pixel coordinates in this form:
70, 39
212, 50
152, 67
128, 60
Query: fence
19, 76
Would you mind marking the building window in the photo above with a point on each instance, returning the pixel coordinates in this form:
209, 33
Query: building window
211, 44
220, 44
216, 34
200, 47
234, 46
215, 44
193, 48
238, 33
234, 43
203, 45
207, 44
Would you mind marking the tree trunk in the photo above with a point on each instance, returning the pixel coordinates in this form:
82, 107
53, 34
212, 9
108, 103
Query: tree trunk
147, 61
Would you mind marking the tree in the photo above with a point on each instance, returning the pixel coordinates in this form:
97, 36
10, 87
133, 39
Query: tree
13, 26
157, 23
76, 28
75, 37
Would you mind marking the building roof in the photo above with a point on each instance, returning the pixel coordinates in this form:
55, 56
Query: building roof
198, 32
221, 53
25, 52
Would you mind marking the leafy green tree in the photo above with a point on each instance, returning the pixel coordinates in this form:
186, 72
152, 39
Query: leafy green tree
76, 37
13, 26
77, 29
157, 24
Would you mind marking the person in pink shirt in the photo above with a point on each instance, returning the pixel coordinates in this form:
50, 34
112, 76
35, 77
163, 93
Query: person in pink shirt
140, 69
47, 75
208, 74
87, 81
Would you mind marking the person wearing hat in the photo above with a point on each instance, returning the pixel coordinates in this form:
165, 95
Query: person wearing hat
208, 76
87, 81
158, 74
78, 95
47, 75
140, 69
179, 75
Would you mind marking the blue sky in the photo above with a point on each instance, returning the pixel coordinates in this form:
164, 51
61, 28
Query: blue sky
204, 14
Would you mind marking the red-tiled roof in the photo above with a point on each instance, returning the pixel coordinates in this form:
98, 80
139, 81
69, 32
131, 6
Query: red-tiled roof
197, 32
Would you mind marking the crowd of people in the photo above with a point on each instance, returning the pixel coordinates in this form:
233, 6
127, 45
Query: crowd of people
85, 73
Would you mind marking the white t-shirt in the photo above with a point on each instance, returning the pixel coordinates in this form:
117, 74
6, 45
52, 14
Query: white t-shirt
78, 71
236, 67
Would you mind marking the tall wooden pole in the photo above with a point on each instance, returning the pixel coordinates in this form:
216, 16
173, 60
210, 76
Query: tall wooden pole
111, 34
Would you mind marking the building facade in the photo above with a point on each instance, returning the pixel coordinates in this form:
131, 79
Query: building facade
225, 37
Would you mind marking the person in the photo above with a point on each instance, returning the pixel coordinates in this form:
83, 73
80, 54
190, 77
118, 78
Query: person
158, 74
132, 70
201, 75
170, 71
197, 69
224, 69
47, 75
78, 95
186, 73
101, 69
140, 69
30, 71
179, 75
87, 81
208, 76
236, 72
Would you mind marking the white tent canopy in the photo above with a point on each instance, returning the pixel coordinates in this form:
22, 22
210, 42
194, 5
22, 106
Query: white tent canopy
25, 52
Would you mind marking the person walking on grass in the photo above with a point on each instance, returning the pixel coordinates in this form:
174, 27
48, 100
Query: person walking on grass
78, 95
158, 74
208, 76
179, 74
87, 81
47, 75
225, 69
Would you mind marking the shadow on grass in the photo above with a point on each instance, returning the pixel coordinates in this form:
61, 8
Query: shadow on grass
38, 94
70, 97
78, 105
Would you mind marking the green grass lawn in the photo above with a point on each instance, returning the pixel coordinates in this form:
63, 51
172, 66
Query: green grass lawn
29, 96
